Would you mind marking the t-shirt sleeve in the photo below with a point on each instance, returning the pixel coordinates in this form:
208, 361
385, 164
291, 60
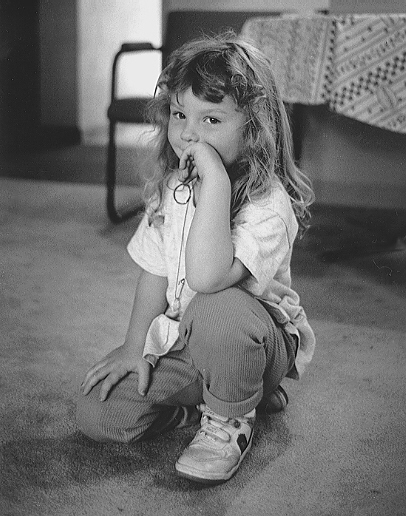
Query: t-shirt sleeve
260, 240
146, 247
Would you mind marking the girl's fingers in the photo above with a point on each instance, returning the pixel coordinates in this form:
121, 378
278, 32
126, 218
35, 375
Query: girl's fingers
183, 160
111, 371
182, 176
94, 370
187, 175
91, 382
94, 378
186, 164
109, 382
193, 174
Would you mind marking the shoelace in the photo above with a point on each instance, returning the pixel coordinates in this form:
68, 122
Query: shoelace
215, 428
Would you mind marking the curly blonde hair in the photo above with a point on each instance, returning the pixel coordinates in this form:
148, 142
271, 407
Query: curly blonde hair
215, 67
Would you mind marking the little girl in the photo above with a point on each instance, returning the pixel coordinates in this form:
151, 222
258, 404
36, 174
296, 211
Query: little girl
215, 324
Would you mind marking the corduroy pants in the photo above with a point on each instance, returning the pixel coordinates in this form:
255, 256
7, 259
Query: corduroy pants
234, 355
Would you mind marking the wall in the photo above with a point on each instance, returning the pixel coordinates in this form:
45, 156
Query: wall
58, 57
302, 6
102, 26
237, 5
367, 6
19, 75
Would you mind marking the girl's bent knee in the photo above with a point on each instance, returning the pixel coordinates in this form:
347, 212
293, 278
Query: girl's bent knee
230, 312
230, 303
89, 418
96, 420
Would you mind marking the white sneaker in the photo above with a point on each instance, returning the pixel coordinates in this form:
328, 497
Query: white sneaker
218, 448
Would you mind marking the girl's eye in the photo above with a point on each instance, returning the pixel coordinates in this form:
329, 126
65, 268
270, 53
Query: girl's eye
178, 114
211, 120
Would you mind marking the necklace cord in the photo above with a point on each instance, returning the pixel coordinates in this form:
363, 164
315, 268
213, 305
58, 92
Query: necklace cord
181, 283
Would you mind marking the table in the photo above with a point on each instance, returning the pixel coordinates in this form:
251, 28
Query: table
356, 64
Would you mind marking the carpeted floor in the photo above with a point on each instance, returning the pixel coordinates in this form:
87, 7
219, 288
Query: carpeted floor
66, 291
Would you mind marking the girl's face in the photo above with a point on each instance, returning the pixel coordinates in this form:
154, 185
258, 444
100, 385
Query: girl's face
217, 124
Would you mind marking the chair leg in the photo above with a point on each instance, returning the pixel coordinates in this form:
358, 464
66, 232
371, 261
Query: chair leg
114, 215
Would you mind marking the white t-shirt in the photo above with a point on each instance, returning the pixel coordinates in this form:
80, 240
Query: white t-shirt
263, 234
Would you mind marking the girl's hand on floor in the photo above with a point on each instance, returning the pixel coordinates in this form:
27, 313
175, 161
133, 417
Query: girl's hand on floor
114, 367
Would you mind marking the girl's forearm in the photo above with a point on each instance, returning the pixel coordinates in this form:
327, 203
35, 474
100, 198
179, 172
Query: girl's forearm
149, 302
209, 248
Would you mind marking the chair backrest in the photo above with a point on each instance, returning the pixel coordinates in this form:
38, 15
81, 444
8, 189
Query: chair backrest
183, 26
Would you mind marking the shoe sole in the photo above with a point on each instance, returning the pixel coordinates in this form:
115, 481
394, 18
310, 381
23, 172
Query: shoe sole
197, 476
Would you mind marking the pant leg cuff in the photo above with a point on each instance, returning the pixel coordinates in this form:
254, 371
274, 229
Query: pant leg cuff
231, 408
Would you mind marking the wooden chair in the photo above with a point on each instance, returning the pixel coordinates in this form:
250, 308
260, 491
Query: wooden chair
181, 26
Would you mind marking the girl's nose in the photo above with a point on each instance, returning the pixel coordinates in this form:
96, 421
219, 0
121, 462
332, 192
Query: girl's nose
189, 133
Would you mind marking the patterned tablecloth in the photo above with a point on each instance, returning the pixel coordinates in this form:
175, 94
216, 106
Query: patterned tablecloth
356, 64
